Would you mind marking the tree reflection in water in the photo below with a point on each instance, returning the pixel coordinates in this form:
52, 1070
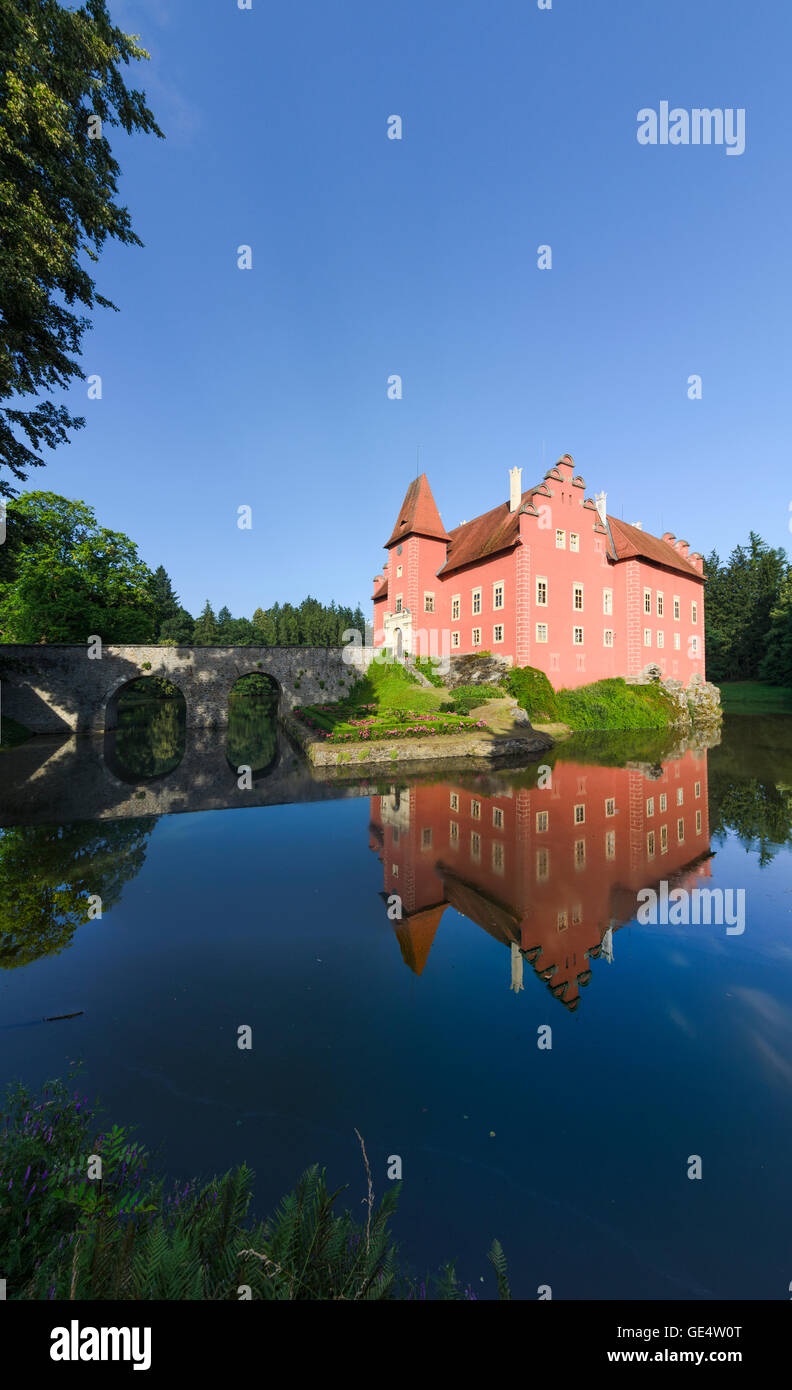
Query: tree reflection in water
252, 730
50, 873
149, 738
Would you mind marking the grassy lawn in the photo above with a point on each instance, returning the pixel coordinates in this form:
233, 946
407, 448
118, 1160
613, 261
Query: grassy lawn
387, 703
751, 697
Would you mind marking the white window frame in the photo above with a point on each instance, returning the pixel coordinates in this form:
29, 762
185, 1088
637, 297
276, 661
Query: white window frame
496, 585
541, 602
456, 607
455, 639
577, 589
578, 641
429, 598
475, 594
647, 608
660, 604
476, 637
607, 603
606, 634
541, 628
647, 637
574, 542
498, 628
677, 607
560, 544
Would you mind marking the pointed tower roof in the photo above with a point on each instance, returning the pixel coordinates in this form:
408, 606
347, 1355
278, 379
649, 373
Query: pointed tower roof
419, 515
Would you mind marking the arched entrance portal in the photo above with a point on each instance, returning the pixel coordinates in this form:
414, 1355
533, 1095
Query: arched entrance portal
252, 739
145, 729
398, 643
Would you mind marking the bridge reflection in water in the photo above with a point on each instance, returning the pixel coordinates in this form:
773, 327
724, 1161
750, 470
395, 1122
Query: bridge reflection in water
551, 872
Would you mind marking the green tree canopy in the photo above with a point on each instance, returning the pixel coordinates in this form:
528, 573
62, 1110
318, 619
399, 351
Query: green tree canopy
61, 89
740, 598
65, 578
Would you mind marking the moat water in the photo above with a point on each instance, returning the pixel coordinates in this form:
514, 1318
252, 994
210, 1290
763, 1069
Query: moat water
276, 905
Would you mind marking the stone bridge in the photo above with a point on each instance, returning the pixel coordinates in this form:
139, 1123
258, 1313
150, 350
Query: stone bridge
66, 689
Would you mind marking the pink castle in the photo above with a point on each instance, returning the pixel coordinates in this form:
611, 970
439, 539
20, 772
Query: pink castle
548, 580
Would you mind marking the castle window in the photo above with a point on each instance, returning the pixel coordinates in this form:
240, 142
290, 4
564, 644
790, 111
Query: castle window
577, 597
398, 603
610, 806
542, 865
475, 845
454, 639
577, 637
647, 637
476, 602
455, 605
580, 854
574, 541
580, 814
541, 592
541, 632
659, 605
660, 637
694, 612
429, 603
560, 540
610, 844
453, 832
497, 817
680, 830
650, 805
426, 838
680, 795
477, 637
650, 844
497, 595
398, 571
697, 789
454, 801
542, 821
676, 608
497, 856
577, 918
395, 870
677, 642
664, 839
607, 601
475, 810
663, 802
562, 920
698, 822
607, 637
694, 646
497, 632
647, 600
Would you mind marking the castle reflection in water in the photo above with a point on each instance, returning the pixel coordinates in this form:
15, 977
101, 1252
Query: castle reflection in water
551, 871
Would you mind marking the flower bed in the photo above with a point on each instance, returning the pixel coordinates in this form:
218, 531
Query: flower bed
367, 723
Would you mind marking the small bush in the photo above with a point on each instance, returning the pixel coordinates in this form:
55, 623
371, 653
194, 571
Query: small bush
533, 693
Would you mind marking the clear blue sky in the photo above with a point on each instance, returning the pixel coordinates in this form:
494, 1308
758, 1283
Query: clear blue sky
225, 387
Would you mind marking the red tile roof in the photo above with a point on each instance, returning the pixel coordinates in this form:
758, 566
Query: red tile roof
381, 591
485, 535
631, 542
419, 515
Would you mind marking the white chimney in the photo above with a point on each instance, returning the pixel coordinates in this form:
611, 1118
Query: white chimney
601, 502
515, 488
638, 525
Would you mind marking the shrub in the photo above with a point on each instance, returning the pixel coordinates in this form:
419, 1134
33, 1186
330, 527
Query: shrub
533, 693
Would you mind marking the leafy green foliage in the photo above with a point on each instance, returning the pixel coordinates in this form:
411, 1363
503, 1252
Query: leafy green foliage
59, 67
64, 578
533, 693
426, 666
741, 598
126, 1236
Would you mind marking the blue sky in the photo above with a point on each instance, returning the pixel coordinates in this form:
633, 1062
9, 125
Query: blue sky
268, 387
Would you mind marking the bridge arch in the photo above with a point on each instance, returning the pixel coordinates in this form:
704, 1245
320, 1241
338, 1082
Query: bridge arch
145, 728
254, 699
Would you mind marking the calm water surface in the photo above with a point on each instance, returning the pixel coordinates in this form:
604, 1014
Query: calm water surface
519, 912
